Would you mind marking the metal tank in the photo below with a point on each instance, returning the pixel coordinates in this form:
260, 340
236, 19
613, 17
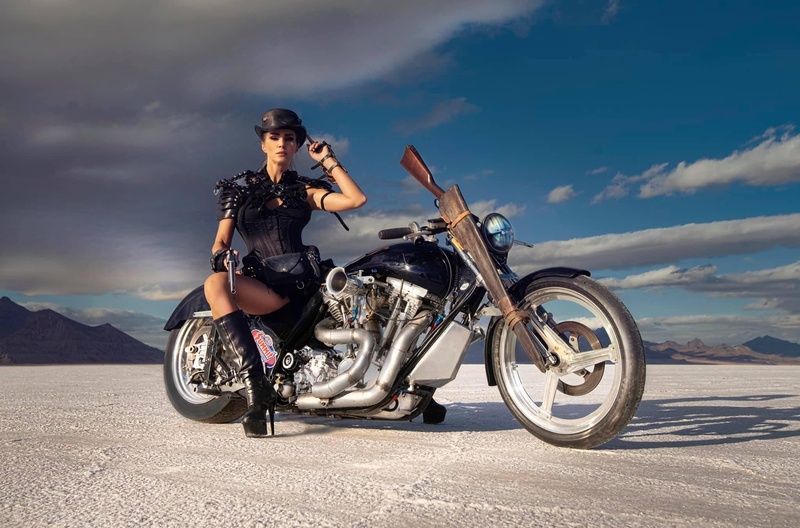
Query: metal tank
425, 264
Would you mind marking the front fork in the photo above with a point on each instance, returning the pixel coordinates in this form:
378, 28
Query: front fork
537, 330
548, 342
557, 354
540, 331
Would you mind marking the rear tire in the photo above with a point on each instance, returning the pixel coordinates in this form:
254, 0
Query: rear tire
183, 345
585, 409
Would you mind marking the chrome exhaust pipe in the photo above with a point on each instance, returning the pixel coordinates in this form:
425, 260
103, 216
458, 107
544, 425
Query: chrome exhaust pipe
366, 346
369, 397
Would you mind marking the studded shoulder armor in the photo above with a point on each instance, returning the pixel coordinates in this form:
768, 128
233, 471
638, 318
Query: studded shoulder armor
230, 196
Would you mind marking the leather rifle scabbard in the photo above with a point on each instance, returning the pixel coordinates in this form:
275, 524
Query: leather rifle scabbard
464, 229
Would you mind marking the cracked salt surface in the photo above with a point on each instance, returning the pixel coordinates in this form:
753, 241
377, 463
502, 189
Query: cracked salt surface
710, 446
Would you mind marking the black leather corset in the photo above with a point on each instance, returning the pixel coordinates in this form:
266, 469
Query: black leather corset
269, 232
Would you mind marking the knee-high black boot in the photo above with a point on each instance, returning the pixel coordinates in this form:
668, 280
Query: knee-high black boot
235, 334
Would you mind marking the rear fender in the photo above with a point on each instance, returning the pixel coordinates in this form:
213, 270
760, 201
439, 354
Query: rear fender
517, 292
194, 302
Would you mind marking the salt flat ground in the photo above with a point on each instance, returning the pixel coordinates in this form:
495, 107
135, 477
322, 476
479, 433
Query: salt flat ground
101, 446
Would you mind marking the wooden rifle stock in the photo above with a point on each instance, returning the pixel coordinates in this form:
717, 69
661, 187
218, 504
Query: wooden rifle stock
412, 162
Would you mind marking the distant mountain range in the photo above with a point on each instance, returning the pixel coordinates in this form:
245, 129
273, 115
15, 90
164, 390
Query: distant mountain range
764, 350
47, 337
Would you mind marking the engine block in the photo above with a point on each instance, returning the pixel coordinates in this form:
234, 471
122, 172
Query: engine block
319, 366
367, 315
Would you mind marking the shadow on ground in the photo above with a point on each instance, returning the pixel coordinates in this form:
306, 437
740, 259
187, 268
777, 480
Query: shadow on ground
669, 423
485, 416
708, 421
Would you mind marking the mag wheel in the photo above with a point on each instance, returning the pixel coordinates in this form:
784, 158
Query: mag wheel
183, 373
592, 404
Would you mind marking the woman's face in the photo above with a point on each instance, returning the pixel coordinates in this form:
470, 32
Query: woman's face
280, 145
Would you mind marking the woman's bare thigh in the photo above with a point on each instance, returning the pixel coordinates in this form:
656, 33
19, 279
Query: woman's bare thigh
254, 297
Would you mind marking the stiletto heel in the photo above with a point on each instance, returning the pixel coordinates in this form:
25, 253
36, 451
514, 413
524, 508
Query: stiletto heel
271, 411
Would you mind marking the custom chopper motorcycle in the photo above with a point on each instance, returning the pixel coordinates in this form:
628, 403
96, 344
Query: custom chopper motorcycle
389, 328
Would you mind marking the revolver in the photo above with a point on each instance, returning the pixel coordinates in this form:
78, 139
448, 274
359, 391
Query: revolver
231, 262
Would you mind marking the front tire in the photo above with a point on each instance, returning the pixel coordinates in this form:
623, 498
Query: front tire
181, 372
585, 409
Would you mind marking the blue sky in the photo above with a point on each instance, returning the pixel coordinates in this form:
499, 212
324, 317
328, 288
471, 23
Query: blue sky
653, 143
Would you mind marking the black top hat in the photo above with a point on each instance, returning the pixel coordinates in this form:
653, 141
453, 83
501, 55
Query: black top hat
279, 118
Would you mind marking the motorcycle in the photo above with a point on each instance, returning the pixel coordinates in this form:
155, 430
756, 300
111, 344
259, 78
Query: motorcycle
392, 326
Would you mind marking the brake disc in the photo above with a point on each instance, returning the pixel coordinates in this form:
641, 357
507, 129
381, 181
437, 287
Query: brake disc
572, 332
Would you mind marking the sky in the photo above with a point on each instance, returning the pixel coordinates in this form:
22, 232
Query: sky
652, 143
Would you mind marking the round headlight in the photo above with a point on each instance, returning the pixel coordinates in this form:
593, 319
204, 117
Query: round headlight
498, 232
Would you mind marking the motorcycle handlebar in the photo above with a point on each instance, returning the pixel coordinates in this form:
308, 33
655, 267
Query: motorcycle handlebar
394, 232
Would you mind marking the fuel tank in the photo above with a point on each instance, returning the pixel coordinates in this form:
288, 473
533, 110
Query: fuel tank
425, 264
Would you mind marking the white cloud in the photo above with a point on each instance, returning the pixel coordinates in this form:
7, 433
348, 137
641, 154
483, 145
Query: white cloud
152, 266
618, 188
139, 47
598, 170
145, 133
669, 276
129, 79
790, 272
774, 161
771, 159
663, 245
561, 194
482, 208
775, 288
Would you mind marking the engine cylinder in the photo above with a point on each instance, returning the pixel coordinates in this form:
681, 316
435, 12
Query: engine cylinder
406, 338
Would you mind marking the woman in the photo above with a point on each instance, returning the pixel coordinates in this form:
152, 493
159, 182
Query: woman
270, 212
